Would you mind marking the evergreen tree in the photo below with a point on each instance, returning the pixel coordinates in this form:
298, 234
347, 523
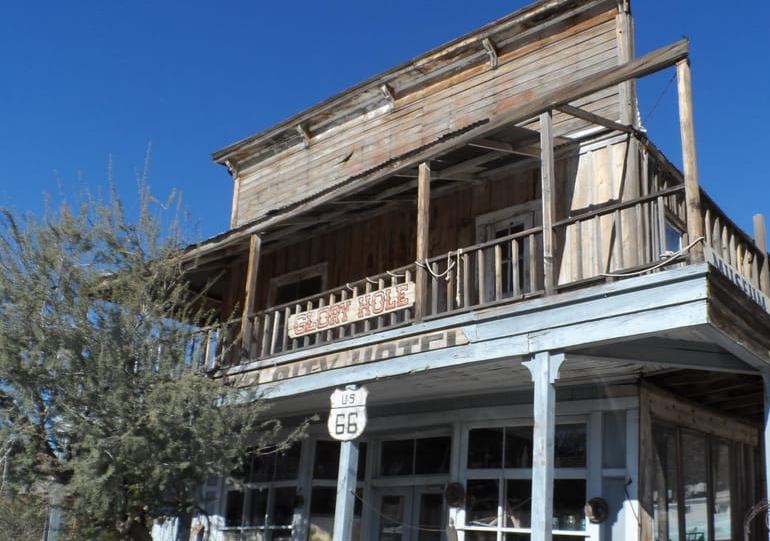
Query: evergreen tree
100, 393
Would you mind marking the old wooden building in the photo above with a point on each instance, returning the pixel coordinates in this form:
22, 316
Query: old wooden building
545, 311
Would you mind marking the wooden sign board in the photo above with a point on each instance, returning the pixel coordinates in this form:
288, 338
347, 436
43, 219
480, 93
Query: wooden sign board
364, 306
732, 274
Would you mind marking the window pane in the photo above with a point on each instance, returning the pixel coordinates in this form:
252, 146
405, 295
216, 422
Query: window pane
665, 493
570, 443
262, 468
481, 502
327, 460
257, 507
234, 508
392, 518
397, 456
431, 517
283, 506
481, 536
287, 463
282, 535
569, 498
485, 448
518, 503
322, 504
695, 485
720, 460
518, 447
432, 455
614, 439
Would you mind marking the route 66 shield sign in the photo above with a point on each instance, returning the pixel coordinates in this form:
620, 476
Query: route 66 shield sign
347, 418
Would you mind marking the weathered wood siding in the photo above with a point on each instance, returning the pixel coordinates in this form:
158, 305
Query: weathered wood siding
576, 48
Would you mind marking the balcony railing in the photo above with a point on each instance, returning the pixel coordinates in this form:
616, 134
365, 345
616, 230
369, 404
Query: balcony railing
618, 240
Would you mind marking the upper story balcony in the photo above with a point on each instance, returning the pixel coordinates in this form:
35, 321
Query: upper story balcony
351, 267
473, 177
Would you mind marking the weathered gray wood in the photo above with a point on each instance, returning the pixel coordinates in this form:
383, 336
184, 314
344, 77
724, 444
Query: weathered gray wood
766, 434
346, 489
548, 195
250, 293
760, 239
544, 368
423, 231
689, 159
591, 83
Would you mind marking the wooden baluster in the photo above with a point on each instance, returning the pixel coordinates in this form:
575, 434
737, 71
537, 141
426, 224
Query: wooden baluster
724, 234
266, 334
533, 266
640, 242
367, 322
515, 277
311, 338
295, 341
661, 228
380, 319
321, 335
707, 231
466, 285
733, 250
763, 266
393, 315
274, 340
330, 332
498, 272
598, 251
481, 276
343, 297
578, 241
617, 247
451, 285
407, 279
434, 289
253, 351
285, 331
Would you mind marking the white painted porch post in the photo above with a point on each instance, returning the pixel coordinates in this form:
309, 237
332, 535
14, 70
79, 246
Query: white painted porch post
346, 486
544, 367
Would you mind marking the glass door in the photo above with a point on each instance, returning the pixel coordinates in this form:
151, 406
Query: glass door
411, 514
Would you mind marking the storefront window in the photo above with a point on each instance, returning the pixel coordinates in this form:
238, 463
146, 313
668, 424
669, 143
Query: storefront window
499, 485
422, 456
264, 508
706, 468
323, 494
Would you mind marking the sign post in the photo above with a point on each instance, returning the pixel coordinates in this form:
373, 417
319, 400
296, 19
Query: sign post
347, 420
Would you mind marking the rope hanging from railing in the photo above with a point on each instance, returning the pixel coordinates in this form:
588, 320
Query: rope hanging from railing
673, 257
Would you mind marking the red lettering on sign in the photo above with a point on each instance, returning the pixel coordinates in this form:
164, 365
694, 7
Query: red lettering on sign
401, 299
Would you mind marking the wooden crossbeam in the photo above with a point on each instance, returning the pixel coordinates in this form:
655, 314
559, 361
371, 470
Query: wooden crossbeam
594, 118
509, 148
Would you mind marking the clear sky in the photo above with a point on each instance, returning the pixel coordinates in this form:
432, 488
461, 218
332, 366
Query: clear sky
86, 80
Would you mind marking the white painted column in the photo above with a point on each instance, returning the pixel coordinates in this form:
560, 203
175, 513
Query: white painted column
346, 486
545, 370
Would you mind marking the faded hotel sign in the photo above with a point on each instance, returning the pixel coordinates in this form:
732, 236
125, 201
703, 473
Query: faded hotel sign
376, 303
351, 357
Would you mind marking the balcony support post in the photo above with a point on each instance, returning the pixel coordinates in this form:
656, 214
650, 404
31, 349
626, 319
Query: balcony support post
689, 159
763, 267
544, 367
423, 230
547, 197
250, 293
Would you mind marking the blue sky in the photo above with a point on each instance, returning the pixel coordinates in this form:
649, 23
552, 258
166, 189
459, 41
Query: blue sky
83, 81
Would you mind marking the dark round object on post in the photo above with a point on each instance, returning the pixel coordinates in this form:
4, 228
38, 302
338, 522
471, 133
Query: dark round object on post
597, 510
455, 494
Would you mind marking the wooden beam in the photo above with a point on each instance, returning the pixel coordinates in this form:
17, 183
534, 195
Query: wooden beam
594, 118
387, 91
689, 159
508, 148
250, 293
547, 173
766, 432
423, 234
760, 239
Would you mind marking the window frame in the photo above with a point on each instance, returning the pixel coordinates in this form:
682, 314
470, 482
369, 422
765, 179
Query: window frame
319, 269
